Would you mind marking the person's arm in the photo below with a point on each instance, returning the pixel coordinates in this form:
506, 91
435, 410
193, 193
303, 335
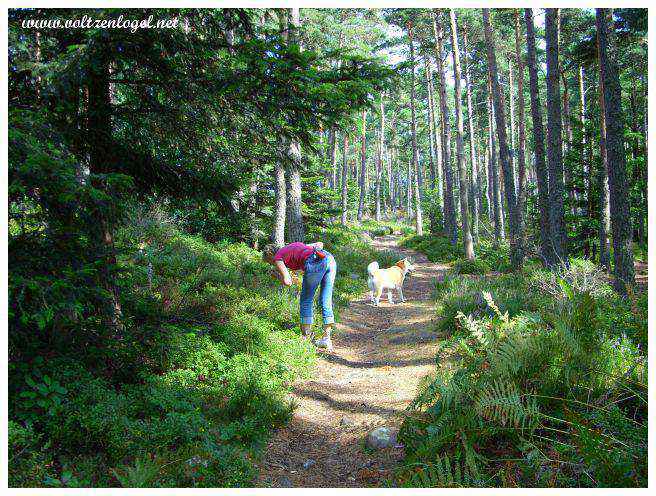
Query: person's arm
318, 245
282, 274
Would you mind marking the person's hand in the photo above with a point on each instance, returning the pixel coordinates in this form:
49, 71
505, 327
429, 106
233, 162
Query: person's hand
287, 280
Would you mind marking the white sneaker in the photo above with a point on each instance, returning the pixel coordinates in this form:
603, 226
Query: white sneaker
324, 343
309, 336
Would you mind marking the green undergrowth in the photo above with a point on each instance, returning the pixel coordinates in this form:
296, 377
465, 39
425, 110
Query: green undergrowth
188, 390
438, 248
474, 267
382, 228
640, 252
542, 382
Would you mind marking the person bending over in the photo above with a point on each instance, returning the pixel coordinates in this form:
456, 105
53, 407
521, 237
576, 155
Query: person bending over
319, 270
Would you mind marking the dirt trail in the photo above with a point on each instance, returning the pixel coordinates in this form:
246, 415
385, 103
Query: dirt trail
381, 355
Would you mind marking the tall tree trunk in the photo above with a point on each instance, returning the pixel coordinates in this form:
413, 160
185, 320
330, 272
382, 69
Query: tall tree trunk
389, 181
538, 142
450, 223
617, 177
460, 145
521, 150
333, 158
333, 131
487, 177
278, 233
295, 226
408, 191
431, 122
100, 150
516, 241
419, 221
437, 147
436, 214
493, 175
511, 111
585, 159
345, 179
363, 166
554, 139
379, 162
567, 121
420, 174
477, 199
604, 191
391, 177
567, 125
456, 197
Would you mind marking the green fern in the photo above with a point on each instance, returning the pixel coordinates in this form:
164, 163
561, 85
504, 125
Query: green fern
503, 403
443, 472
520, 354
143, 473
483, 334
487, 296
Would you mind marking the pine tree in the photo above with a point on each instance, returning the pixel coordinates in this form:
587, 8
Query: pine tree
541, 172
617, 177
555, 140
516, 241
460, 146
450, 224
414, 185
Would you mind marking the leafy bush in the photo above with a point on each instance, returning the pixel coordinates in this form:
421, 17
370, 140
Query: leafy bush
465, 295
581, 275
476, 267
203, 363
382, 228
534, 397
627, 315
29, 458
188, 392
436, 247
496, 256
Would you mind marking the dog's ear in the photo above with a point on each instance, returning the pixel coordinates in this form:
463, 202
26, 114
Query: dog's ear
400, 264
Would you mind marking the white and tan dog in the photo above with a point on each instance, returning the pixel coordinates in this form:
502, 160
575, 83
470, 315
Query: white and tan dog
391, 278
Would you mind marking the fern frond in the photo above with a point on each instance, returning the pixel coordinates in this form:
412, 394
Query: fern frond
482, 333
520, 353
443, 472
502, 403
487, 296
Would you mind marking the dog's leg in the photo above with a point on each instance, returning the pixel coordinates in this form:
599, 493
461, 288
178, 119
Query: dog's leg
401, 293
379, 292
389, 296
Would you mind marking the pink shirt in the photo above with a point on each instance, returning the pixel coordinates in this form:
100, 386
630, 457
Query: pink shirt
294, 255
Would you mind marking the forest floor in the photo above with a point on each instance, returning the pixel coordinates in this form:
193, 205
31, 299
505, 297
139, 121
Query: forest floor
381, 354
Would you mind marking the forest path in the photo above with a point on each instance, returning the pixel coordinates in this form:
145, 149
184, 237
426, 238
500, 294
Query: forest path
380, 356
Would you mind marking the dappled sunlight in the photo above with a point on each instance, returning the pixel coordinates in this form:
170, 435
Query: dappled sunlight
369, 380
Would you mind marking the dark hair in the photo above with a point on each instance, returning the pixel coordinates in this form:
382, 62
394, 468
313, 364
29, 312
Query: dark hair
269, 251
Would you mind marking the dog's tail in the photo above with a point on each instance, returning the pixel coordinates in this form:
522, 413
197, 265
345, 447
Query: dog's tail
372, 267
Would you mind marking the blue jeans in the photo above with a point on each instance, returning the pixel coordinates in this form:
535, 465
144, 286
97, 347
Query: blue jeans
318, 272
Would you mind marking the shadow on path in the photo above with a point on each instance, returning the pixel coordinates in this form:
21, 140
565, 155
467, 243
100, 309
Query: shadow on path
381, 356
